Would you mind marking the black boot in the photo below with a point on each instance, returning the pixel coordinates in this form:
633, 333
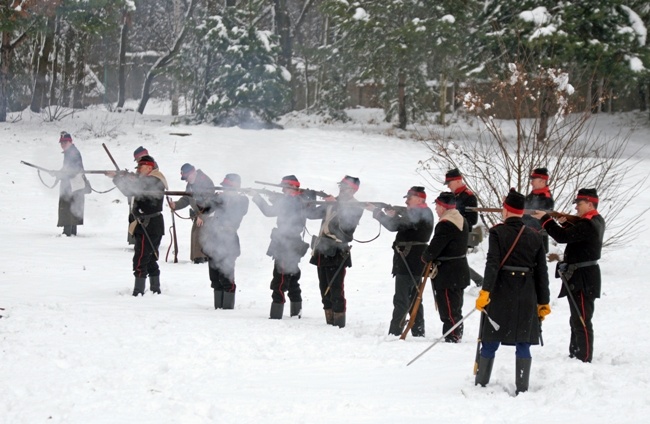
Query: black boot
338, 319
228, 300
154, 284
329, 316
67, 230
523, 374
276, 310
218, 299
296, 309
138, 288
484, 371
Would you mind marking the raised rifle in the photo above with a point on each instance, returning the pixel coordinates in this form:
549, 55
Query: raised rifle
117, 168
40, 168
318, 193
553, 214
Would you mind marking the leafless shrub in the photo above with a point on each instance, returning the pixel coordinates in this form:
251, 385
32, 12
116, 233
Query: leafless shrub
56, 113
104, 127
543, 132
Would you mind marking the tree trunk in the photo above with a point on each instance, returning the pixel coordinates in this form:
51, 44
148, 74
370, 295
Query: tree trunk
121, 73
55, 63
600, 94
543, 116
165, 60
442, 100
6, 54
282, 22
589, 101
40, 83
68, 69
401, 100
79, 72
174, 97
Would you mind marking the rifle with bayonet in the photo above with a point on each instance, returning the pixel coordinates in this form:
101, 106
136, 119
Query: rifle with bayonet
553, 214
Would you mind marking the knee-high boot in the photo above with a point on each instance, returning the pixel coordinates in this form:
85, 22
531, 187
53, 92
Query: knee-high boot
484, 371
138, 287
523, 374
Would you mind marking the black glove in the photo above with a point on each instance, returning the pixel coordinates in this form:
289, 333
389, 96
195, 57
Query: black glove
427, 256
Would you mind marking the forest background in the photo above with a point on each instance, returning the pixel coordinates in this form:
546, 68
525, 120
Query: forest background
247, 62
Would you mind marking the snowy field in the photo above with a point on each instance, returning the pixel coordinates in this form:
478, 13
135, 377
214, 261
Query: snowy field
76, 347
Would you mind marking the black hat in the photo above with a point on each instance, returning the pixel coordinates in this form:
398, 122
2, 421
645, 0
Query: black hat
65, 136
146, 160
139, 152
353, 182
514, 202
416, 191
453, 175
231, 180
447, 200
539, 173
290, 181
186, 169
587, 194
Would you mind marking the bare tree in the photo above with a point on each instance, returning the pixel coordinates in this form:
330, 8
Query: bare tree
503, 154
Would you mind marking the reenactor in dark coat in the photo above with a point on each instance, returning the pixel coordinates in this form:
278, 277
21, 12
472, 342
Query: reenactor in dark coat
448, 251
579, 269
464, 198
540, 198
73, 187
515, 292
414, 226
287, 246
147, 188
202, 189
220, 240
331, 249
137, 154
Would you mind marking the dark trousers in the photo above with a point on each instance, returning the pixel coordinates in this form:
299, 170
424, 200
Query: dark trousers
145, 258
333, 299
489, 349
582, 337
450, 307
405, 294
283, 282
221, 281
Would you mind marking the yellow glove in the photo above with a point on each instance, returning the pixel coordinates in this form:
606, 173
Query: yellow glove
482, 300
542, 311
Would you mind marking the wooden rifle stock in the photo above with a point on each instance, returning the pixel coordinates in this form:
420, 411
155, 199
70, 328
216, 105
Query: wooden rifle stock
418, 301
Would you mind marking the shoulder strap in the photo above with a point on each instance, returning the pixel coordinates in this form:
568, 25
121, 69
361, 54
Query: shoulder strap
514, 243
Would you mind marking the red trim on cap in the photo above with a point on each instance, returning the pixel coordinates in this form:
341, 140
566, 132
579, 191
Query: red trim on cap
587, 198
292, 183
512, 209
350, 183
227, 182
146, 162
139, 155
542, 176
445, 205
419, 194
447, 179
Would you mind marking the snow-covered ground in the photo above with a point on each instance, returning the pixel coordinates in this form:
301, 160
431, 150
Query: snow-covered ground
76, 347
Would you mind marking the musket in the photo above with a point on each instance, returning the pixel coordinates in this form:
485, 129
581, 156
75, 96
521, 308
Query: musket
417, 301
318, 193
40, 168
361, 204
269, 193
110, 157
553, 214
105, 171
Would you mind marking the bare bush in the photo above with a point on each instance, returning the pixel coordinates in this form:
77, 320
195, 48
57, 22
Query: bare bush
56, 113
104, 127
502, 154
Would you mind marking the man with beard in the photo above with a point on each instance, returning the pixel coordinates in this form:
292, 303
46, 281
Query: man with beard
331, 253
73, 187
414, 227
147, 188
202, 189
286, 247
220, 240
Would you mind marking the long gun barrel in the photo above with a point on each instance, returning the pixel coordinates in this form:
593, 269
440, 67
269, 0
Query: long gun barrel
553, 214
110, 157
362, 204
40, 168
318, 193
